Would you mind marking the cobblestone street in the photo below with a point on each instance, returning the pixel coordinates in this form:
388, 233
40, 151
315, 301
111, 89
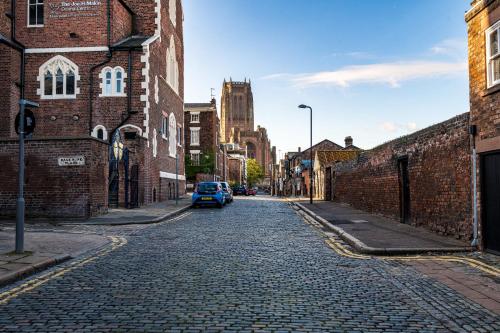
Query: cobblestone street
252, 266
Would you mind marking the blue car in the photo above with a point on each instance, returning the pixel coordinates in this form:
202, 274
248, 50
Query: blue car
209, 193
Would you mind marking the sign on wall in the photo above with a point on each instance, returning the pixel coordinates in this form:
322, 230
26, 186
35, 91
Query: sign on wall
71, 161
66, 9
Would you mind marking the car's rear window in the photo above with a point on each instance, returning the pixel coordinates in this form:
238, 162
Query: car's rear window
207, 187
224, 185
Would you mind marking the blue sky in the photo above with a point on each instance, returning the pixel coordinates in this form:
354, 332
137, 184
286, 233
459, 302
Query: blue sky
374, 70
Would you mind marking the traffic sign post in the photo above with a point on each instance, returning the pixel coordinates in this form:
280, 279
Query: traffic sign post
21, 127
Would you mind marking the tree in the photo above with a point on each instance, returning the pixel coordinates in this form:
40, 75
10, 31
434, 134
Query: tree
254, 172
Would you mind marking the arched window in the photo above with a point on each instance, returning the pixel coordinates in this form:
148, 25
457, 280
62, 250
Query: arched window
172, 11
113, 83
58, 79
100, 132
172, 135
172, 66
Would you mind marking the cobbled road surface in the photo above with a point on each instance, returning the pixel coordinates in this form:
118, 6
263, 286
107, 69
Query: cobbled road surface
252, 266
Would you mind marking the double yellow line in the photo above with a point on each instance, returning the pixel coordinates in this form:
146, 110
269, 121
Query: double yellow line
343, 251
116, 242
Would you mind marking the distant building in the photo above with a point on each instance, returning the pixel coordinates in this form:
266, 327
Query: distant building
483, 26
237, 164
205, 157
237, 126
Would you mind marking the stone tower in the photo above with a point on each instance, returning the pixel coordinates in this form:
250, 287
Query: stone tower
236, 108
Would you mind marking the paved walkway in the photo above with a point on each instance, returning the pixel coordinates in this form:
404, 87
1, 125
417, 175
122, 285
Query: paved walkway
382, 234
42, 249
147, 214
254, 266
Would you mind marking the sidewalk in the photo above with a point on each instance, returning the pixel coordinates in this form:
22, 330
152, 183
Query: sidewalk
42, 250
373, 234
144, 215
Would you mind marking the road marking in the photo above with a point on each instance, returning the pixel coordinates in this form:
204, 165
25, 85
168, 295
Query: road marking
116, 242
345, 252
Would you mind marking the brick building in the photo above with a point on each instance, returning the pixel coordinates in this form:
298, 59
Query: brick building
483, 26
110, 121
205, 159
237, 124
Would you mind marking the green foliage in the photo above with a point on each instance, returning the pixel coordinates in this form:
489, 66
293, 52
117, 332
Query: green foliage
254, 172
207, 165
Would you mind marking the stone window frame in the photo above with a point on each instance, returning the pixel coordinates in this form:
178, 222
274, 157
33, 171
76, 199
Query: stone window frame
95, 132
172, 11
179, 135
195, 161
194, 117
157, 90
192, 136
113, 78
155, 143
52, 66
172, 75
495, 28
36, 4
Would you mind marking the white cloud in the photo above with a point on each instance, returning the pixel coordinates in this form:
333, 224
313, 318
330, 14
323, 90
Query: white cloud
384, 73
392, 127
452, 46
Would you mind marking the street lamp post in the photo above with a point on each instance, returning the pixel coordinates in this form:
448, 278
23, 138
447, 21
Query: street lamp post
303, 106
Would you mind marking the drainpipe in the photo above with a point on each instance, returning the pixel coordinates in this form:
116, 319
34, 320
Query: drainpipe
472, 132
109, 56
17, 45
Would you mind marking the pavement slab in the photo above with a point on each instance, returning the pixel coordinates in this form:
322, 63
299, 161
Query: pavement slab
252, 266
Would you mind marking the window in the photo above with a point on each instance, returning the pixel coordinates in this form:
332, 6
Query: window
195, 157
172, 11
35, 13
195, 117
113, 84
179, 135
172, 67
493, 54
157, 90
58, 79
155, 144
195, 136
164, 128
172, 135
100, 132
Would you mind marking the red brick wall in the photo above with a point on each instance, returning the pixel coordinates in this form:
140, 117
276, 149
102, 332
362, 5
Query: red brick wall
439, 175
121, 22
52, 190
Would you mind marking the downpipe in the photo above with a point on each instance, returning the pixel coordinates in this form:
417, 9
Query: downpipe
474, 197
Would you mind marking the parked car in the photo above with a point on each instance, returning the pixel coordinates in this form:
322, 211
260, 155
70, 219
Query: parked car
209, 193
240, 190
252, 191
228, 192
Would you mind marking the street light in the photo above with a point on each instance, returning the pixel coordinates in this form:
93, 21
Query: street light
303, 106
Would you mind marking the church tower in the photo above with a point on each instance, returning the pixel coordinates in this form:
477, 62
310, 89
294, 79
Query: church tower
236, 108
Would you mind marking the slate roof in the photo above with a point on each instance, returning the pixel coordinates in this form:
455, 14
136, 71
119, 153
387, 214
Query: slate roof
131, 42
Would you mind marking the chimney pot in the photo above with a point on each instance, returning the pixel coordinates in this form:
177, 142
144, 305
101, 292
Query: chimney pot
348, 141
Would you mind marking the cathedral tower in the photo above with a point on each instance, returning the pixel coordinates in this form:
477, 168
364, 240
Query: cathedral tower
236, 108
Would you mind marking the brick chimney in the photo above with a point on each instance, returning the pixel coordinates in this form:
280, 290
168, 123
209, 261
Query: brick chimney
299, 150
348, 141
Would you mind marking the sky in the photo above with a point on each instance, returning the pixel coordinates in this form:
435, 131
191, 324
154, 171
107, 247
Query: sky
374, 70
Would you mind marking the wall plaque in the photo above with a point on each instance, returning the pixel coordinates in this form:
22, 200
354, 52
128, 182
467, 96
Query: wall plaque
71, 161
66, 9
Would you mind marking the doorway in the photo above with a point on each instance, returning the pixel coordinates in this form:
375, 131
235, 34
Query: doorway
490, 181
404, 190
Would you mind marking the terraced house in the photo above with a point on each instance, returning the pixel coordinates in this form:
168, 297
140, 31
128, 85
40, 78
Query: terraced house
108, 75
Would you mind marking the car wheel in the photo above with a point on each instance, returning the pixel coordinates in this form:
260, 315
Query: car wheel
220, 205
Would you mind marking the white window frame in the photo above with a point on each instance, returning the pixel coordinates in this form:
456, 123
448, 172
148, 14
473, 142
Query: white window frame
172, 77
172, 135
195, 117
197, 153
104, 132
155, 143
164, 127
194, 130
103, 84
172, 11
28, 15
52, 65
489, 57
157, 90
